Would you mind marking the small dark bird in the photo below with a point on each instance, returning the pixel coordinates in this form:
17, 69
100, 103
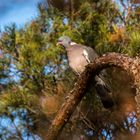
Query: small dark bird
78, 57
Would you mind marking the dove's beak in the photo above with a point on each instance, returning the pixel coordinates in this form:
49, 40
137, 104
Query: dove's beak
59, 43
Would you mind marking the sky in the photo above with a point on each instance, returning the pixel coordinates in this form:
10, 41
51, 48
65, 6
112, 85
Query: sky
18, 11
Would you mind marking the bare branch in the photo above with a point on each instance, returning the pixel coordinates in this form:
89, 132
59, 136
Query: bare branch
130, 65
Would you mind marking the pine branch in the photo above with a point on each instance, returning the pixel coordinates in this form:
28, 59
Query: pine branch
75, 96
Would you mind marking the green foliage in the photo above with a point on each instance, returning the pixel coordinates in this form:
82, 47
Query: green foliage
17, 97
134, 44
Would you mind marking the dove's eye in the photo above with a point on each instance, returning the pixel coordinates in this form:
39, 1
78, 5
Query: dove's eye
59, 40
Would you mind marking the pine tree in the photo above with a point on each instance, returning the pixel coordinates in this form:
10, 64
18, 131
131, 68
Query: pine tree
35, 77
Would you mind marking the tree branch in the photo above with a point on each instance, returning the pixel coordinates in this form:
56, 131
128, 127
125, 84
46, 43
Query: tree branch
75, 96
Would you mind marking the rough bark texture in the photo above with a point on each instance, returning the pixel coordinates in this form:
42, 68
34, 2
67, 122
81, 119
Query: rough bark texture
131, 65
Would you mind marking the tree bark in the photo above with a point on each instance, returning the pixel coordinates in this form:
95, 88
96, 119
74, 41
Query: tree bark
75, 96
